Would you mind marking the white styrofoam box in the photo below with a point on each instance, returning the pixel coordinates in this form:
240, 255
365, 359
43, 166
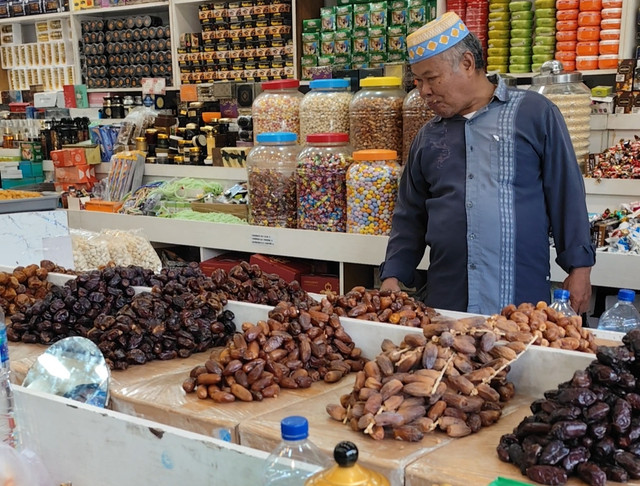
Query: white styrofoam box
145, 452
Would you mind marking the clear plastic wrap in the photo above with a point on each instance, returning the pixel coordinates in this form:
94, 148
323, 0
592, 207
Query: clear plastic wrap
134, 125
90, 250
136, 246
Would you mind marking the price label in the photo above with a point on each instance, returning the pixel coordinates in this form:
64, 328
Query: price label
265, 240
153, 86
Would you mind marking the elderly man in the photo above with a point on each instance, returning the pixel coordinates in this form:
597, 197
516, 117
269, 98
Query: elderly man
487, 179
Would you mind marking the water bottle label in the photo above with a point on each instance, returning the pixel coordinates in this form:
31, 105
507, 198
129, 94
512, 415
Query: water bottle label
4, 347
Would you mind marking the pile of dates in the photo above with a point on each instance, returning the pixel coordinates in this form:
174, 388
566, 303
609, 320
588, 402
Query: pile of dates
70, 310
248, 283
452, 377
382, 306
588, 427
172, 323
22, 287
292, 349
548, 327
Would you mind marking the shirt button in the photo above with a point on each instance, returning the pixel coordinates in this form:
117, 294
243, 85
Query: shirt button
471, 148
472, 266
472, 236
469, 204
471, 176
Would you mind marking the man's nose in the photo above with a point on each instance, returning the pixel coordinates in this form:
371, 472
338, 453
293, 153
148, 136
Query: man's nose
425, 90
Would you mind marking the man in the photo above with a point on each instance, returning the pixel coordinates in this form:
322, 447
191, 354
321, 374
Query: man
485, 180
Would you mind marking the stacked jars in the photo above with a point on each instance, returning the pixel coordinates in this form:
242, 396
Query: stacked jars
325, 108
375, 115
372, 187
321, 184
277, 108
415, 114
271, 180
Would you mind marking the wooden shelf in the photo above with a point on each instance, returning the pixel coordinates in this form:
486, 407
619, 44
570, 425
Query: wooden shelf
127, 9
32, 19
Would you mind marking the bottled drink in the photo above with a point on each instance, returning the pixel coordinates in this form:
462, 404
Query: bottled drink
8, 432
623, 316
561, 302
347, 471
283, 466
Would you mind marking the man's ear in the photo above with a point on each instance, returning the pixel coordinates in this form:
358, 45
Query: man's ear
468, 62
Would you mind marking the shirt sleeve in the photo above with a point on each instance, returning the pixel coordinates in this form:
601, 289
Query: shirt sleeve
409, 224
565, 196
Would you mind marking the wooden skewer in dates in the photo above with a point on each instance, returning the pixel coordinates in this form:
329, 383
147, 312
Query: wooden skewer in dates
453, 377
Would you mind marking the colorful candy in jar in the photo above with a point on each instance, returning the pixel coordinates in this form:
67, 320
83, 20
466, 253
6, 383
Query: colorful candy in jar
372, 188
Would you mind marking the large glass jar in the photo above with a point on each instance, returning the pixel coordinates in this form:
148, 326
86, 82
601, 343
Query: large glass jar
415, 114
325, 108
277, 108
573, 99
271, 180
375, 114
321, 182
372, 187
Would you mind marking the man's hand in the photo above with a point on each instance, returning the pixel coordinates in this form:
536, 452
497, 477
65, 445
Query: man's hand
578, 283
390, 283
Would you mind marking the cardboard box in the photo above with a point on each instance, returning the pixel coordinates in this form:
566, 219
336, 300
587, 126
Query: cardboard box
624, 76
90, 153
31, 151
69, 96
226, 261
77, 203
77, 173
286, 268
45, 100
320, 283
61, 158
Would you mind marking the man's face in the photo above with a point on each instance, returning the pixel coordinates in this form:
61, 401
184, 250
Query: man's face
445, 88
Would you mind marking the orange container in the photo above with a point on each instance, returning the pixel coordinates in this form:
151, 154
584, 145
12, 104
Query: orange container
567, 4
591, 5
569, 65
611, 13
567, 25
586, 19
609, 47
608, 61
103, 206
586, 63
610, 34
567, 46
565, 56
587, 49
567, 14
611, 24
589, 34
611, 3
566, 35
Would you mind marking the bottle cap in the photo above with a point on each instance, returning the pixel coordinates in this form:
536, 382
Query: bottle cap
626, 295
561, 294
329, 83
294, 428
345, 454
328, 138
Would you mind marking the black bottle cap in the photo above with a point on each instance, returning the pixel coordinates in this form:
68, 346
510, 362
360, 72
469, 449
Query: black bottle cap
345, 454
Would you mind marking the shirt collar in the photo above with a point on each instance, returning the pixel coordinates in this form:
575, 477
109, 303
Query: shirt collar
501, 93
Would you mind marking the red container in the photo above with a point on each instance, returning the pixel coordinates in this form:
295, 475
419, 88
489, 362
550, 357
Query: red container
567, 14
286, 268
226, 261
320, 283
587, 48
589, 34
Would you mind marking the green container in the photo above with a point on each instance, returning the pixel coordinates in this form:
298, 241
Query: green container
31, 169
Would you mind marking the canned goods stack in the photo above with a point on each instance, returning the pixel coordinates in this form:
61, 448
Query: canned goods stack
521, 36
477, 19
499, 33
248, 40
119, 52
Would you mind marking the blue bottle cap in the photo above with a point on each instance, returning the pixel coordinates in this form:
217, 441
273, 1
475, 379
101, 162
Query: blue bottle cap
626, 295
329, 83
277, 137
561, 294
294, 428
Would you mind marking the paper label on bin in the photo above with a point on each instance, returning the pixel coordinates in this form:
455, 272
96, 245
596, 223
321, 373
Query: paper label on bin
264, 240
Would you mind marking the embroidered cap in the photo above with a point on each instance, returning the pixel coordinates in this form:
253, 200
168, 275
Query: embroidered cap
436, 37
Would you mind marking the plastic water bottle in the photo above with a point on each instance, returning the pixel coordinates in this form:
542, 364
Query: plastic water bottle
561, 303
285, 466
8, 431
623, 316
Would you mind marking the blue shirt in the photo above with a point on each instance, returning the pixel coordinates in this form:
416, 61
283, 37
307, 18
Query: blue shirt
483, 195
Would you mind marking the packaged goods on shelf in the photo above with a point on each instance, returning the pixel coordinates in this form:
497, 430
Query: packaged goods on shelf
617, 231
621, 161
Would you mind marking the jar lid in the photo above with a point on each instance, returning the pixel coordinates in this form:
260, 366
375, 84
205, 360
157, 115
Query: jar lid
327, 137
281, 84
552, 72
375, 154
379, 81
329, 83
608, 57
276, 137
